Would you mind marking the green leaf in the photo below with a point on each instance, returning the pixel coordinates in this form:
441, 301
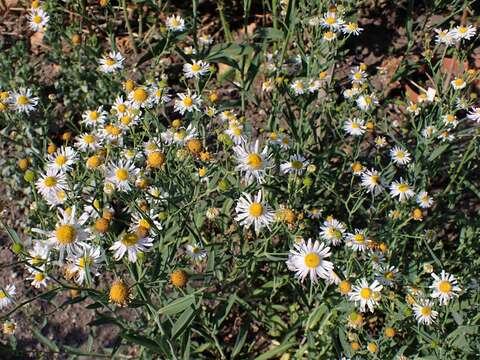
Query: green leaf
44, 340
269, 33
156, 50
275, 351
143, 341
183, 321
240, 341
177, 305
438, 151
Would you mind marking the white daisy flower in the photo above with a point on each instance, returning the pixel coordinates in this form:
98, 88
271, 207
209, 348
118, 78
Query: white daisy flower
424, 312
121, 106
386, 275
372, 181
187, 103
298, 87
357, 75
351, 28
458, 83
267, 86
23, 101
332, 231
112, 62
400, 156
122, 175
366, 295
329, 36
450, 120
94, 117
252, 162
308, 259
402, 189
87, 142
51, 182
38, 256
141, 97
175, 23
331, 21
474, 114
205, 40
381, 141
160, 94
86, 261
112, 134
38, 19
253, 211
6, 295
196, 69
39, 279
463, 32
236, 133
367, 102
444, 37
131, 243
69, 232
62, 159
424, 200
196, 252
296, 165
354, 127
357, 240
445, 287
428, 131
179, 136
145, 222
314, 85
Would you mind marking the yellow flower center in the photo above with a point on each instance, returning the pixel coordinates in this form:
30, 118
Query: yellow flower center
187, 101
196, 67
2, 294
85, 261
458, 82
254, 161
403, 188
175, 23
61, 160
426, 311
255, 210
237, 131
22, 100
444, 286
50, 181
144, 223
345, 287
37, 19
462, 29
121, 174
359, 238
93, 115
140, 95
330, 20
312, 260
110, 62
119, 293
65, 234
121, 108
374, 179
89, 139
130, 239
296, 164
39, 277
368, 100
366, 293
